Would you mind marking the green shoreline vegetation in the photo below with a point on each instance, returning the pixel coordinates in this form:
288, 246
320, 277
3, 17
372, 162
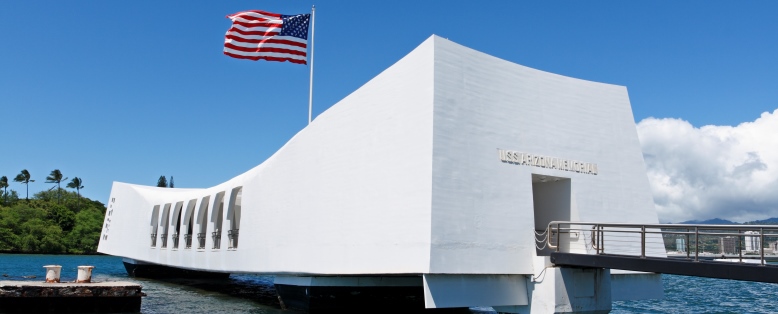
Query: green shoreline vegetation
50, 222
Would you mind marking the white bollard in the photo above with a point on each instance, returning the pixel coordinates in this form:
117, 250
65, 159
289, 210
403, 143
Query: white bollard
52, 273
84, 274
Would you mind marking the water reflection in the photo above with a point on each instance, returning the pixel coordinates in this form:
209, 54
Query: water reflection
237, 294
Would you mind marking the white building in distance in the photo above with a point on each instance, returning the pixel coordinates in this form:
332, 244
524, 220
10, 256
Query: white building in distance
752, 243
680, 245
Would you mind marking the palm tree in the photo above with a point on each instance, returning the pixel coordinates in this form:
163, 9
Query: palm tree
76, 184
24, 178
56, 177
4, 186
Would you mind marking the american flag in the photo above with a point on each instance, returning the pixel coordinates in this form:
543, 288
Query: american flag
258, 35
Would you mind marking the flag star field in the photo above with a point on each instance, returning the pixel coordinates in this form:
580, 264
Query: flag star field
295, 25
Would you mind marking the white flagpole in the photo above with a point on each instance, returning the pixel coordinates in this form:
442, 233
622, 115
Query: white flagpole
310, 90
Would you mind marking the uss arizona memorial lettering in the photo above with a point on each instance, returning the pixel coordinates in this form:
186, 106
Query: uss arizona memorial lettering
526, 159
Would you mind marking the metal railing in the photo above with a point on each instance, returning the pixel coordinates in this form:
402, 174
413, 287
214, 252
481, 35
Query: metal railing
232, 235
703, 241
201, 241
175, 240
217, 239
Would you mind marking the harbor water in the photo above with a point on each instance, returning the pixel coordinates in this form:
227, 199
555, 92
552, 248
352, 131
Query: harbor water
247, 293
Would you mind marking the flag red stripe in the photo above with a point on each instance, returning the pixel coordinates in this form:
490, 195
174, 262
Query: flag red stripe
263, 53
255, 58
264, 49
267, 41
278, 25
259, 33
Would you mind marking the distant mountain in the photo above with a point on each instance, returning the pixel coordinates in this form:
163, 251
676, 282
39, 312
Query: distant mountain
719, 221
714, 221
768, 221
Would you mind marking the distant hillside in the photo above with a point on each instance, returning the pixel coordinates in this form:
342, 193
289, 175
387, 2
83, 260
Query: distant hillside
719, 221
50, 222
768, 221
714, 221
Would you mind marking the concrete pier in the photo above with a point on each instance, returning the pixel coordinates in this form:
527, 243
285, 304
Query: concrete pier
41, 297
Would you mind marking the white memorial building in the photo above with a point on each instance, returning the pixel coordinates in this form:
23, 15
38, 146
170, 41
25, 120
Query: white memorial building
428, 183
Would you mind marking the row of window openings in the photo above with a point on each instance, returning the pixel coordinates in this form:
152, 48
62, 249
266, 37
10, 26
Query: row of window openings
160, 220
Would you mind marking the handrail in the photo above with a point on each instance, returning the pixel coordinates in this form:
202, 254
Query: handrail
690, 232
609, 224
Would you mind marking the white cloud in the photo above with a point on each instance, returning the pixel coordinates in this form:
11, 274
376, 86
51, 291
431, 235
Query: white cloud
713, 171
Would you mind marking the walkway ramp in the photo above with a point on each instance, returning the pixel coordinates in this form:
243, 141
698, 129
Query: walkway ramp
743, 245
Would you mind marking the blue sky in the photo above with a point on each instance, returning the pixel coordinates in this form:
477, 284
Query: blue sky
128, 91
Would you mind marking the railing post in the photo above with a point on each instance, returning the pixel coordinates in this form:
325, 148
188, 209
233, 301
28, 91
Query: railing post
740, 244
549, 232
557, 237
643, 241
602, 239
688, 251
696, 244
761, 244
594, 239
598, 231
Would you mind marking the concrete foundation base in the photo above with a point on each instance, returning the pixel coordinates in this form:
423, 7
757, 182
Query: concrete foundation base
566, 290
147, 270
554, 290
351, 294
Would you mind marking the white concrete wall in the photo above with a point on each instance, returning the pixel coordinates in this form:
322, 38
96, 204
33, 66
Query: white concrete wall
349, 194
482, 212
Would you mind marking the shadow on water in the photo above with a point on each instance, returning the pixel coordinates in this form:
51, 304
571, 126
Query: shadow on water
236, 294
259, 290
255, 288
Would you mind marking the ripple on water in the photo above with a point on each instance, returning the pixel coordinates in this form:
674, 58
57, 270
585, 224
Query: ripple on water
706, 295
